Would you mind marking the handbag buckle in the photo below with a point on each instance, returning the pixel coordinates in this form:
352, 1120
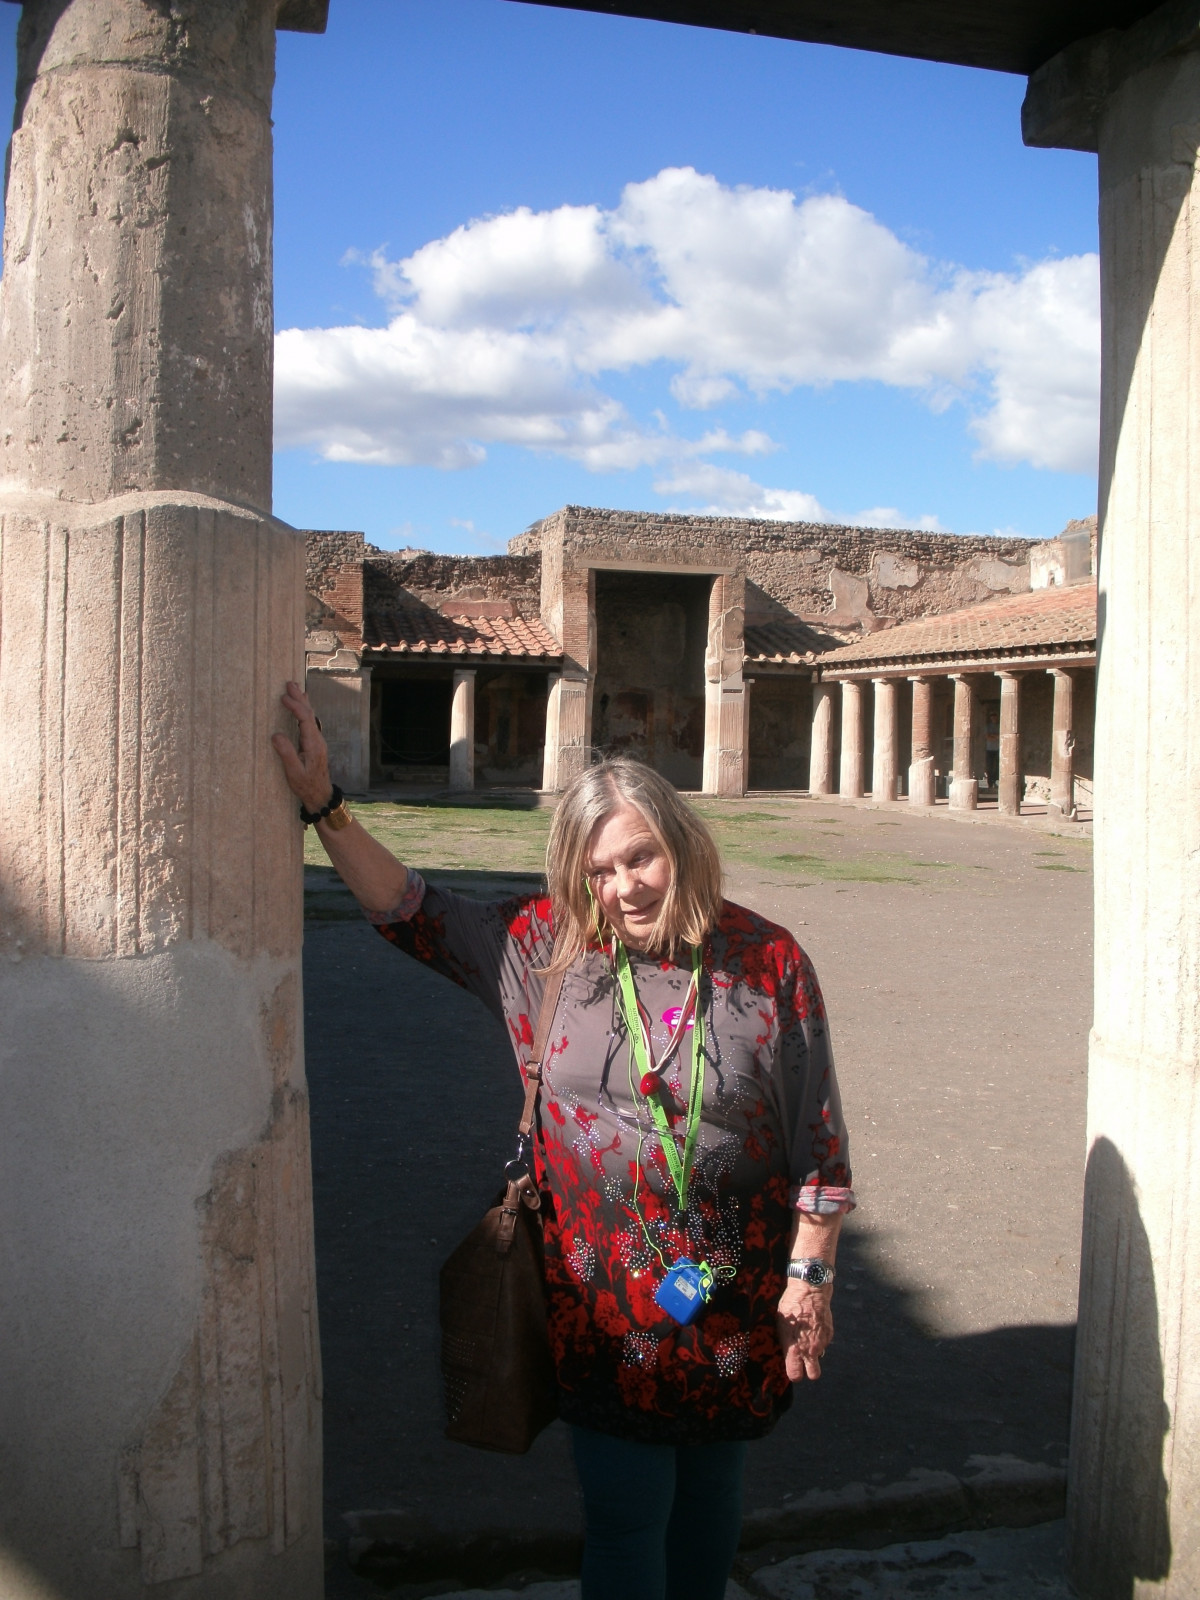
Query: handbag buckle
519, 1166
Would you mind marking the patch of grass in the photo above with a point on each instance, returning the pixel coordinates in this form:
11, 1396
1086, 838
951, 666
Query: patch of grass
1049, 852
945, 866
431, 837
1056, 866
860, 871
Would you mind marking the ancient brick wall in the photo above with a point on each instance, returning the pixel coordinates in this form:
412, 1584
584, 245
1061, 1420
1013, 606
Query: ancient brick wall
333, 584
840, 575
461, 586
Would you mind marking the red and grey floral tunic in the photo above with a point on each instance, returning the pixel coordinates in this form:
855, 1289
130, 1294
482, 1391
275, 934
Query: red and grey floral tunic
771, 1140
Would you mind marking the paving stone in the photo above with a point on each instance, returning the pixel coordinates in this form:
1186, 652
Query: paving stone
1000, 1563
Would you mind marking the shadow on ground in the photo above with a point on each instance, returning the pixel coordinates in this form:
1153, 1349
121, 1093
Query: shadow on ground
414, 1098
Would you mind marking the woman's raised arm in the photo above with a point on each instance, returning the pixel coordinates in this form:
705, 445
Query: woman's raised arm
368, 869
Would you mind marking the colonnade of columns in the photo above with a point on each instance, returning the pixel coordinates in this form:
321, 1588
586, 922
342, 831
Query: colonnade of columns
964, 777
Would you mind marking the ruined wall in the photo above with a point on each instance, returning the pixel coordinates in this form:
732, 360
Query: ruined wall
333, 591
463, 586
837, 575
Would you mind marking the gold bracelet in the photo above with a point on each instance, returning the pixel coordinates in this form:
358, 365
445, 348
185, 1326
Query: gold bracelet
339, 817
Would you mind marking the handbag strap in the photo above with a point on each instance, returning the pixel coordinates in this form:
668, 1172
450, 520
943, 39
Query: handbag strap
523, 1185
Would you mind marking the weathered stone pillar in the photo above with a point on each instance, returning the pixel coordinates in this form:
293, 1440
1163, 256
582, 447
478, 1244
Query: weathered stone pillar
820, 757
1062, 748
462, 731
964, 785
920, 772
568, 741
724, 700
1012, 779
747, 685
883, 754
342, 700
1133, 1500
853, 755
158, 1340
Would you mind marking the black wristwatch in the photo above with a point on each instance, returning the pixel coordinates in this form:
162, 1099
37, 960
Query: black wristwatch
811, 1270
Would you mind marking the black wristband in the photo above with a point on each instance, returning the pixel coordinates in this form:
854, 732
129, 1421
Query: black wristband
311, 818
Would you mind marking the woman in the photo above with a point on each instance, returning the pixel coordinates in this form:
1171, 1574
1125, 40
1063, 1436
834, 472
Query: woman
691, 1140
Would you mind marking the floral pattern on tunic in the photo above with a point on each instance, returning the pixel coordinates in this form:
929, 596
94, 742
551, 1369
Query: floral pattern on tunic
771, 1137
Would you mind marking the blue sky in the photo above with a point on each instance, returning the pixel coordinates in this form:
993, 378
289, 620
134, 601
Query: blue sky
527, 256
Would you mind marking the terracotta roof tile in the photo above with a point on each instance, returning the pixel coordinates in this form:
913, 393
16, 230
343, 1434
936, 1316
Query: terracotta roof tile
1039, 621
417, 630
786, 643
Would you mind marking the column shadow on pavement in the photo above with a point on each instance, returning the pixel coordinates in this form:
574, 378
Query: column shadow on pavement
414, 1101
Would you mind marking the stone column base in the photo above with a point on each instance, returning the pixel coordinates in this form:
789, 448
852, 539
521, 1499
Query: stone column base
964, 794
920, 783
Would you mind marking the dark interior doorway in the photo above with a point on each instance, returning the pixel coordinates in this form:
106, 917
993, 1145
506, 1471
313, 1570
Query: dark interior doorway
651, 634
414, 722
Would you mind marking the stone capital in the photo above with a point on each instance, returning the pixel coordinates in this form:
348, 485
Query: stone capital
1067, 95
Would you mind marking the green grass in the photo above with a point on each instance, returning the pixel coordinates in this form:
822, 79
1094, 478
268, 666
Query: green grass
455, 838
861, 871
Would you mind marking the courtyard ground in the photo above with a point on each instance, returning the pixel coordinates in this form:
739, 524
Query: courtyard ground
955, 960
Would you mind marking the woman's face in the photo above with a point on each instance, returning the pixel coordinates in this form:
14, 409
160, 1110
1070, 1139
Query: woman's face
628, 872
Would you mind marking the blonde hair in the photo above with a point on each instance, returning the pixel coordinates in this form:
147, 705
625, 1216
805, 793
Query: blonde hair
692, 902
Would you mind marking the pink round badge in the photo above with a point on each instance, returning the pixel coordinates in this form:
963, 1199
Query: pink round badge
671, 1018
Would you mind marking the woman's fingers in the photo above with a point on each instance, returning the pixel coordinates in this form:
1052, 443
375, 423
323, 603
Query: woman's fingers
293, 767
805, 1334
307, 768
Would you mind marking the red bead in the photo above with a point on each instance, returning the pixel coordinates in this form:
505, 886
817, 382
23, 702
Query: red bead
650, 1084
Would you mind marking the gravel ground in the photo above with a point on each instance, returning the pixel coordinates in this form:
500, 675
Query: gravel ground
955, 960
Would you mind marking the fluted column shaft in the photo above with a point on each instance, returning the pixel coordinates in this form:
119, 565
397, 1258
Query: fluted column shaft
820, 761
920, 772
853, 754
883, 751
1012, 779
462, 731
159, 1356
1062, 749
964, 785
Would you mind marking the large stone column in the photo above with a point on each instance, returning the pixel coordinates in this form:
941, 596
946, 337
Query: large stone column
920, 772
820, 758
724, 769
568, 731
1062, 748
964, 785
1134, 1488
342, 700
883, 753
158, 1344
1012, 779
853, 756
462, 731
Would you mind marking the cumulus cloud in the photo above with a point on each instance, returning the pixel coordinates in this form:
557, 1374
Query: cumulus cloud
503, 332
726, 493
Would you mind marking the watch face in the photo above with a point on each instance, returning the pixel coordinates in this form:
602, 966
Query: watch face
816, 1274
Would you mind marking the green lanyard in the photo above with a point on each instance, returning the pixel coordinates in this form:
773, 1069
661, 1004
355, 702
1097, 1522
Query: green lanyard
680, 1167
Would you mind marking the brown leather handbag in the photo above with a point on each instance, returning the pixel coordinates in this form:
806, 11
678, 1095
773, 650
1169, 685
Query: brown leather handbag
496, 1365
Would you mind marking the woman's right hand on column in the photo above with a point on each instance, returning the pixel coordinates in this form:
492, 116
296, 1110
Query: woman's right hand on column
307, 767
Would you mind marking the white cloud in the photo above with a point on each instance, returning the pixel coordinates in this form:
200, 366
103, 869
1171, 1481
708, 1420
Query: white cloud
502, 332
735, 494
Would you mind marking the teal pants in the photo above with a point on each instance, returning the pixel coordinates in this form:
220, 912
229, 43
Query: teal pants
662, 1521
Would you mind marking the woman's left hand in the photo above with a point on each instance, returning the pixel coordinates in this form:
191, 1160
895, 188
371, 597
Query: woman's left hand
805, 1324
